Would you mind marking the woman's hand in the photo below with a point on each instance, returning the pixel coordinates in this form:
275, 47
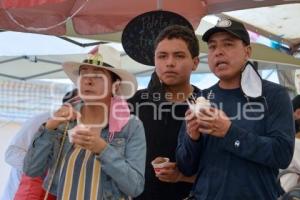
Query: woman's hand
62, 115
88, 138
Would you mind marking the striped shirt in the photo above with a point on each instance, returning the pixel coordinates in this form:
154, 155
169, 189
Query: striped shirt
80, 176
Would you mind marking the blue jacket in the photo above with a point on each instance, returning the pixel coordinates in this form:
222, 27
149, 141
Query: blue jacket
122, 161
245, 163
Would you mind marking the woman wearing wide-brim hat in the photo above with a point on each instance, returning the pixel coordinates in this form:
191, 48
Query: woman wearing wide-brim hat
103, 156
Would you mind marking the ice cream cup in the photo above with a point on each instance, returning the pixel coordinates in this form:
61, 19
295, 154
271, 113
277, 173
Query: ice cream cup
72, 131
70, 135
159, 163
198, 107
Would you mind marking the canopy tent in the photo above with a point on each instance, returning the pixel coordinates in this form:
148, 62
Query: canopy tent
40, 56
89, 18
44, 57
44, 60
277, 23
101, 16
105, 16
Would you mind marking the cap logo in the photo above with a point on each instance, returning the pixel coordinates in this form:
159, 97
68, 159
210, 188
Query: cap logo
224, 23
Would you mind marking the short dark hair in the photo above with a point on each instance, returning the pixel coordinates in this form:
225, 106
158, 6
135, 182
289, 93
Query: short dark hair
69, 95
180, 32
114, 77
296, 102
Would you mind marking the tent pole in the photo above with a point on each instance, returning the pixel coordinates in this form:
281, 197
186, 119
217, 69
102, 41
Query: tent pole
80, 44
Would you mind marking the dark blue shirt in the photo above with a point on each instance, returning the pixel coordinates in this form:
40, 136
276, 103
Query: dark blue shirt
244, 164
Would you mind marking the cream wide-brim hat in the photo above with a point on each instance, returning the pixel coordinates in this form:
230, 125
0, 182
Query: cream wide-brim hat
110, 61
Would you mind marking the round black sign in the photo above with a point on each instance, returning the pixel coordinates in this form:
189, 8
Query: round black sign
139, 34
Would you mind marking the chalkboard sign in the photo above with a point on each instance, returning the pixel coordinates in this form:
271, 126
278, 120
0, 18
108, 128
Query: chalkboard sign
139, 34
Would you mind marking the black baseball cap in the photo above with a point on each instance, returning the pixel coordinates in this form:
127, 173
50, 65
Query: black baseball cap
228, 25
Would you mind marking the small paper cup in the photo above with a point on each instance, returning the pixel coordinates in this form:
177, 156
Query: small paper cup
73, 131
159, 163
70, 135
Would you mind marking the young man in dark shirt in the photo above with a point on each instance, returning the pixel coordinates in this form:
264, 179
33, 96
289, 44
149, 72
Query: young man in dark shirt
161, 107
238, 145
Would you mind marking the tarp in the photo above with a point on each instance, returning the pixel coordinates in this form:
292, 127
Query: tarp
105, 16
91, 17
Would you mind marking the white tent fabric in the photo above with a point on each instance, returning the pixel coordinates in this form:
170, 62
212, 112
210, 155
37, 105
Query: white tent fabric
277, 23
40, 56
20, 100
26, 56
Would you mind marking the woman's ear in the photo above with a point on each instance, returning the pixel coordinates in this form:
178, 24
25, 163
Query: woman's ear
115, 87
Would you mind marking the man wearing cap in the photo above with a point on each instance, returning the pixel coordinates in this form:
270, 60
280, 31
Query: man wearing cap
239, 143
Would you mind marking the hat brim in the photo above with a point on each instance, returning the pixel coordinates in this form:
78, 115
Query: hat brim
214, 30
128, 83
140, 33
